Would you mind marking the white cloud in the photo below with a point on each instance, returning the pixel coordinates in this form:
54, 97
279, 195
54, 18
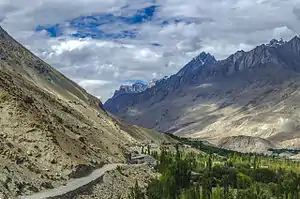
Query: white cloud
69, 46
146, 54
100, 65
91, 82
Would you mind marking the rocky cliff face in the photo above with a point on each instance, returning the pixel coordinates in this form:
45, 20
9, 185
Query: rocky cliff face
250, 93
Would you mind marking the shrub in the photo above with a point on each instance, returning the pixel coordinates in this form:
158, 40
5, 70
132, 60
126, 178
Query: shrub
4, 96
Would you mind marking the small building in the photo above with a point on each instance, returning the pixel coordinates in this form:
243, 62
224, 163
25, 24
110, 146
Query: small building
144, 159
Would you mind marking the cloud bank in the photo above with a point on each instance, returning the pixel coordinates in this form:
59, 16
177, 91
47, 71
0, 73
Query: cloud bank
101, 44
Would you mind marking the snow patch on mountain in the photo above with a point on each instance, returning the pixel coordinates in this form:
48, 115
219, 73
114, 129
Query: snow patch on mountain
134, 88
275, 43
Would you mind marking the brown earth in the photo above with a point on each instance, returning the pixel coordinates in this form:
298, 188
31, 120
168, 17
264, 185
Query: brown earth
50, 127
247, 144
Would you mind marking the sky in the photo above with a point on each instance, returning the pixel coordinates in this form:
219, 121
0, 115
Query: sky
102, 44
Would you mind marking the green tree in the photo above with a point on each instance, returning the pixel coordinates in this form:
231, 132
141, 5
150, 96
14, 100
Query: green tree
243, 181
148, 149
142, 150
217, 193
264, 175
155, 190
136, 192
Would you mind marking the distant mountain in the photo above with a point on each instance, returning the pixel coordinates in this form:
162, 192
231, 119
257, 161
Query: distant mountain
186, 74
195, 66
275, 43
137, 87
130, 89
252, 93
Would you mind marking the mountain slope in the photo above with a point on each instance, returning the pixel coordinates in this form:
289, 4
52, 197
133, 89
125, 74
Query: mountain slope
50, 128
247, 144
253, 93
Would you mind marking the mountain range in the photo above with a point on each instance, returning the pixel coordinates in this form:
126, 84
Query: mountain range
134, 88
249, 94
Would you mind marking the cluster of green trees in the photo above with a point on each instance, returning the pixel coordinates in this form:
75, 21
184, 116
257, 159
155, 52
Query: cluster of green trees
230, 176
285, 150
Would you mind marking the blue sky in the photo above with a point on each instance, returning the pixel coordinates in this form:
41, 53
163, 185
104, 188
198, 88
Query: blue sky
101, 44
90, 26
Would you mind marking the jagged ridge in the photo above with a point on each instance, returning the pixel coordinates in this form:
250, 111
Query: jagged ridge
205, 66
205, 99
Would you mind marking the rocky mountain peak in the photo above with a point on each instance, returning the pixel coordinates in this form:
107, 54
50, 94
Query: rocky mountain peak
275, 43
204, 57
238, 55
196, 64
295, 39
294, 44
129, 89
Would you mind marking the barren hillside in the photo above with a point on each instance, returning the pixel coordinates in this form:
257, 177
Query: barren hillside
50, 127
247, 144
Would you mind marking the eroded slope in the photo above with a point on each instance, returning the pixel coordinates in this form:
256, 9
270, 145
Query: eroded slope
50, 128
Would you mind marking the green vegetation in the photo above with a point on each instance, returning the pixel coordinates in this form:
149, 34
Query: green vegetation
278, 151
136, 192
204, 147
222, 174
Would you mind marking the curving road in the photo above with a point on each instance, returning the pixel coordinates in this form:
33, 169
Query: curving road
74, 184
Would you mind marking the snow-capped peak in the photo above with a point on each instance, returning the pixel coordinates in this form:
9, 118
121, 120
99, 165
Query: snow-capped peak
275, 43
133, 88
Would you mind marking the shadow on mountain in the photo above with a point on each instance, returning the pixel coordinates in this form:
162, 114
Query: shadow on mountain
251, 93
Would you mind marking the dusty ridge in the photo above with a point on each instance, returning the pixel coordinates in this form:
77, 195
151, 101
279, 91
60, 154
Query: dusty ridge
247, 144
51, 128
